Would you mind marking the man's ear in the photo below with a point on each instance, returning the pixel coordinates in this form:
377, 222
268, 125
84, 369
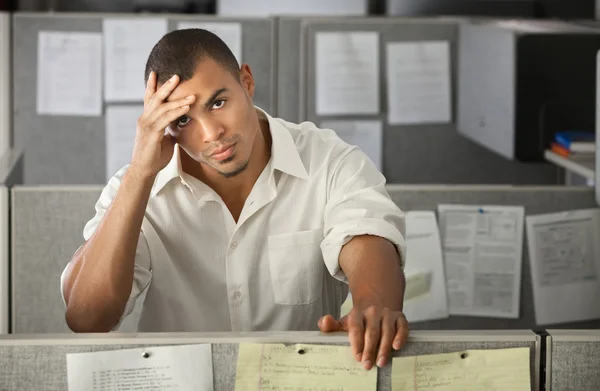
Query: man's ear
247, 80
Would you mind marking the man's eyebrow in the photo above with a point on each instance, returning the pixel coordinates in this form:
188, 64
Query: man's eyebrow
214, 96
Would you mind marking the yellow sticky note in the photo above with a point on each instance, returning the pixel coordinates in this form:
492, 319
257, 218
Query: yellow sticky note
301, 367
417, 285
470, 370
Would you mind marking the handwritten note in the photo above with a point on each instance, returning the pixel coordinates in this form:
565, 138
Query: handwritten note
470, 370
300, 367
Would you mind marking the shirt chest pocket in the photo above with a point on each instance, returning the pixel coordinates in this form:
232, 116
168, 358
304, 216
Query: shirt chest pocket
296, 266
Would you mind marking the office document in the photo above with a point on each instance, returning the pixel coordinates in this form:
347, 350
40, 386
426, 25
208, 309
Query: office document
230, 33
69, 74
482, 247
184, 367
564, 254
366, 134
418, 82
121, 123
127, 45
425, 297
470, 370
347, 73
301, 367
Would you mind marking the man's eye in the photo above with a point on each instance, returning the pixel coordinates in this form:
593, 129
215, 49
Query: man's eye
182, 121
218, 104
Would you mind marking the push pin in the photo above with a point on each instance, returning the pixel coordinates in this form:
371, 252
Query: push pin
463, 355
301, 351
145, 354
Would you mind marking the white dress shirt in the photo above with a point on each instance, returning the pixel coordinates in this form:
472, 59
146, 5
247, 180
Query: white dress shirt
277, 267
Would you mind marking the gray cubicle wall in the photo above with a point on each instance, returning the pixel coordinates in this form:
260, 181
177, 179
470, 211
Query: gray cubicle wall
39, 362
418, 154
536, 200
47, 225
573, 360
47, 229
71, 150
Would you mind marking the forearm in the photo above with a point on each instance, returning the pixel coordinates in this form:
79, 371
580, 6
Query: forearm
372, 266
98, 282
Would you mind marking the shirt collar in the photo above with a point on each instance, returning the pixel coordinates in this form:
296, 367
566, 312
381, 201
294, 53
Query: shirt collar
284, 156
284, 152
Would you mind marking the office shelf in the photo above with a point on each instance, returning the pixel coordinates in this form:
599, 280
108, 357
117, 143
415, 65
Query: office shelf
583, 166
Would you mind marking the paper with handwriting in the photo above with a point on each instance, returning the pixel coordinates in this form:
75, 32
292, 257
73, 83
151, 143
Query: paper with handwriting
470, 370
299, 367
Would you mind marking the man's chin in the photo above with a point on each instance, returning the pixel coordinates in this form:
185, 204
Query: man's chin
233, 172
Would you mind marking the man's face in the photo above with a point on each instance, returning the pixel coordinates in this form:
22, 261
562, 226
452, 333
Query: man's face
218, 130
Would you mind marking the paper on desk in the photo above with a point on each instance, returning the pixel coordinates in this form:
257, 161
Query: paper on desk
418, 80
230, 33
69, 74
277, 367
479, 370
424, 269
564, 254
347, 73
185, 367
483, 258
121, 122
366, 134
127, 45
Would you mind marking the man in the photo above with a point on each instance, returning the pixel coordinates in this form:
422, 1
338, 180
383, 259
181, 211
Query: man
230, 219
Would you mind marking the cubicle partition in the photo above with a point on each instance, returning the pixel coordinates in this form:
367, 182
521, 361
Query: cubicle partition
47, 229
47, 226
72, 149
416, 153
5, 81
536, 200
39, 362
573, 360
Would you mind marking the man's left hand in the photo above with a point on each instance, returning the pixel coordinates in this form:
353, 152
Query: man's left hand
373, 332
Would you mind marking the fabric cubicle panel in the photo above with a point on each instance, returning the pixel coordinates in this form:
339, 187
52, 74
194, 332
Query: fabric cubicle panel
5, 81
71, 150
40, 363
47, 229
573, 360
417, 154
536, 200
47, 225
4, 261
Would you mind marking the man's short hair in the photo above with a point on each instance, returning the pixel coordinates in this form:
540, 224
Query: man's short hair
179, 53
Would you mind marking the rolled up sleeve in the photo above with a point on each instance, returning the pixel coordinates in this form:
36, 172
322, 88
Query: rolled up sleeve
358, 204
142, 274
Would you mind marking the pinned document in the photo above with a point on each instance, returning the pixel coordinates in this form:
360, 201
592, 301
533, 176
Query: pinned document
347, 73
564, 254
483, 258
366, 134
301, 367
469, 370
121, 123
69, 74
425, 297
418, 82
127, 45
184, 367
230, 33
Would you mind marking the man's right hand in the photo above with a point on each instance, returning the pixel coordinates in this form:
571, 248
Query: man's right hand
153, 149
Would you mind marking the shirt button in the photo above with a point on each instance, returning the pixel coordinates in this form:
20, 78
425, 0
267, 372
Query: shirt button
237, 295
234, 245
